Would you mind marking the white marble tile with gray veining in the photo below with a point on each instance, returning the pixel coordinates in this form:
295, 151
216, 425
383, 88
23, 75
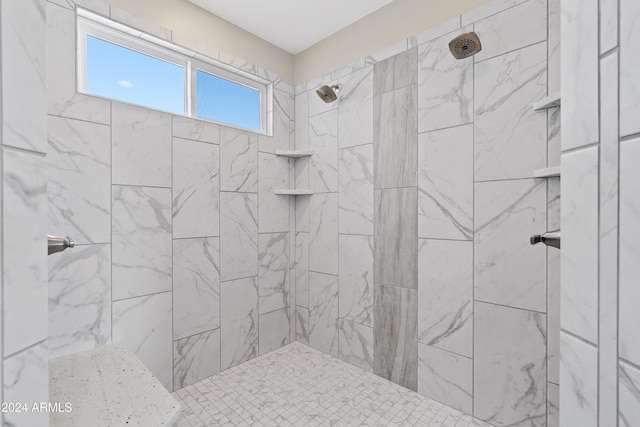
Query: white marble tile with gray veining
302, 120
491, 8
143, 324
553, 284
629, 398
445, 295
239, 322
274, 174
323, 312
196, 286
445, 85
316, 104
63, 98
303, 204
24, 201
302, 325
141, 241
79, 300
196, 358
513, 391
446, 377
553, 45
629, 65
274, 330
238, 160
445, 183
141, 146
395, 138
196, 189
579, 379
302, 269
396, 251
395, 72
395, 335
553, 405
350, 68
355, 112
512, 28
323, 141
387, 52
273, 277
554, 146
323, 235
435, 32
282, 115
247, 66
79, 180
196, 130
356, 279
510, 138
24, 76
239, 235
507, 269
355, 170
356, 344
579, 254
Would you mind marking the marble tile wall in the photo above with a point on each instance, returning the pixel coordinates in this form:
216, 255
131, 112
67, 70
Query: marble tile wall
184, 251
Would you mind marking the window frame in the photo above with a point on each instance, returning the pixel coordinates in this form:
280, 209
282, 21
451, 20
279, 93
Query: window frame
98, 26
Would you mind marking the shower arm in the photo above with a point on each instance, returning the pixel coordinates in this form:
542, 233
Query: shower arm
57, 244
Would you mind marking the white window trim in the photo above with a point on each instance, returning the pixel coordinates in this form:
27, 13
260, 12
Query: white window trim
89, 23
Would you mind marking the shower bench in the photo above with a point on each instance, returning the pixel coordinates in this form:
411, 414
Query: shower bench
108, 386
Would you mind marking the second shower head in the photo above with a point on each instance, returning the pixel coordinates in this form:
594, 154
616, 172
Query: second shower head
465, 45
329, 93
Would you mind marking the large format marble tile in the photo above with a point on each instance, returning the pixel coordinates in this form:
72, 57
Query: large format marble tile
301, 131
356, 190
445, 295
445, 85
302, 325
553, 46
196, 189
24, 93
141, 233
395, 72
282, 115
196, 358
24, 202
323, 313
196, 286
356, 344
629, 229
274, 330
79, 300
323, 141
79, 180
579, 379
513, 28
396, 252
553, 284
445, 183
395, 138
274, 174
395, 335
316, 104
579, 50
445, 377
355, 112
553, 405
302, 269
510, 138
488, 9
140, 146
239, 321
196, 130
629, 66
144, 325
323, 236
356, 278
509, 366
62, 95
508, 270
239, 235
579, 254
238, 160
629, 397
273, 281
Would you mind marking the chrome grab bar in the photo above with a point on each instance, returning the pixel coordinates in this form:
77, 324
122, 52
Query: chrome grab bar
58, 244
550, 238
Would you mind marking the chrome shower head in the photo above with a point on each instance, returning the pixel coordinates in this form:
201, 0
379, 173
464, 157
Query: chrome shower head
465, 45
329, 93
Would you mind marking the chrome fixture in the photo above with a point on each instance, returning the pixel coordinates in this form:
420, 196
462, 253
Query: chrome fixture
465, 45
550, 238
329, 93
58, 244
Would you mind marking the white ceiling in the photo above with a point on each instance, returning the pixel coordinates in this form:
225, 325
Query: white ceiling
293, 25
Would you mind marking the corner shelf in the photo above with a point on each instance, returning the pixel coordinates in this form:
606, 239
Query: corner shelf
550, 101
294, 154
547, 173
293, 192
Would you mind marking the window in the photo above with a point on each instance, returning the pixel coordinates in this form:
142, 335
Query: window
118, 62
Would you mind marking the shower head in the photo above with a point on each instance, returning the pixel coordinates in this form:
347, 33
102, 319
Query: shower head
329, 93
465, 45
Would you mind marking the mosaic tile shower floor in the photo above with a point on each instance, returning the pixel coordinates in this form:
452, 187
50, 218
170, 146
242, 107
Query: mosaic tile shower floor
299, 386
